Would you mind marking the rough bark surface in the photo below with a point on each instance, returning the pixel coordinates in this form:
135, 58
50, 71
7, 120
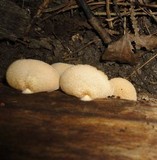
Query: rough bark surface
57, 126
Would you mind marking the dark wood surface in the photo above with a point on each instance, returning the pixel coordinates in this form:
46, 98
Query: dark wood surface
55, 126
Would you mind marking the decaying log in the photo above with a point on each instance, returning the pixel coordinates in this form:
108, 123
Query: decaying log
13, 20
57, 126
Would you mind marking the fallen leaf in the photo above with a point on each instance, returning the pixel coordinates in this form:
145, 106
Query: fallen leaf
147, 41
120, 51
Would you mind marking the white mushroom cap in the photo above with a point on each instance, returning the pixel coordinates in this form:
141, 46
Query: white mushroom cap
85, 82
32, 76
123, 89
61, 67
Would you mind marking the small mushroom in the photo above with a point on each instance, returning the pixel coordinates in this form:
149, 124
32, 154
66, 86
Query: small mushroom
123, 89
85, 82
31, 76
61, 67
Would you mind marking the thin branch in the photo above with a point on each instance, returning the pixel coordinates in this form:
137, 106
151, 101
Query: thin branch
137, 70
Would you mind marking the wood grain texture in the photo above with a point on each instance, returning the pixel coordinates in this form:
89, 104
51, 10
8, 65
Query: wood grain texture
57, 126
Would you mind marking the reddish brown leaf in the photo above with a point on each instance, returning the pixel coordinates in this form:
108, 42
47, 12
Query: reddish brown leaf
147, 41
120, 51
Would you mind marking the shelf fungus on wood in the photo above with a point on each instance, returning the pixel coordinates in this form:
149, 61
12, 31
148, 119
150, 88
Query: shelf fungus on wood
31, 76
61, 67
123, 89
85, 82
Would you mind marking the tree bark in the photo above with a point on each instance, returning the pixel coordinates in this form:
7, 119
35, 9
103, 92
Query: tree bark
57, 126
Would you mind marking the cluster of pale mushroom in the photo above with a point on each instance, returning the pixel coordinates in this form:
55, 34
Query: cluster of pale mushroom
83, 81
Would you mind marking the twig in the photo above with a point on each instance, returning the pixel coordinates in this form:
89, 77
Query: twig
86, 45
134, 20
39, 12
134, 72
94, 22
123, 14
108, 13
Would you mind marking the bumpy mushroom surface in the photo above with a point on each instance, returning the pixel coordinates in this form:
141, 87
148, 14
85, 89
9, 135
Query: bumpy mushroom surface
31, 76
61, 67
123, 89
85, 82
